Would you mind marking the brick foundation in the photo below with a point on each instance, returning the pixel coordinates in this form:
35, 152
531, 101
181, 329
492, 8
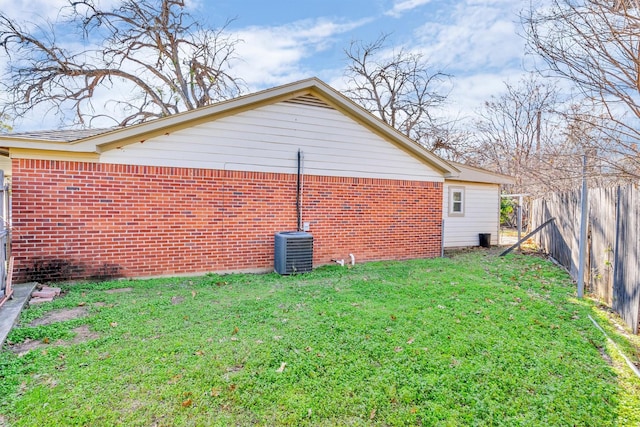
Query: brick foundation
81, 220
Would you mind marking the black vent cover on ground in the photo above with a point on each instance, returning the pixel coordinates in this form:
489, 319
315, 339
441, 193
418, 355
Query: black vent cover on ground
293, 252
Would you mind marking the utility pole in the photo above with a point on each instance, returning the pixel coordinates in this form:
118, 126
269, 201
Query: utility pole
538, 124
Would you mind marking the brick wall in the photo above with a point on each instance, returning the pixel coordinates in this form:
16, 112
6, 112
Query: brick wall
74, 219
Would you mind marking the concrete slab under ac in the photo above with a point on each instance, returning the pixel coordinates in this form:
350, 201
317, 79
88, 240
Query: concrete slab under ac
11, 309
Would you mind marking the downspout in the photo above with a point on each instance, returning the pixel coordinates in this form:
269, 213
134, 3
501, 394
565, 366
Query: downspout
299, 191
442, 239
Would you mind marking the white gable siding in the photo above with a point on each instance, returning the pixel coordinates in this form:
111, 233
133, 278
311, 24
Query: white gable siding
267, 139
481, 214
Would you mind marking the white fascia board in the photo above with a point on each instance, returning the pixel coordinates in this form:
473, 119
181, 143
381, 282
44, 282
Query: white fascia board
475, 174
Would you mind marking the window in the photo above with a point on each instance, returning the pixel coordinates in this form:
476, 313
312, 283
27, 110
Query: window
456, 201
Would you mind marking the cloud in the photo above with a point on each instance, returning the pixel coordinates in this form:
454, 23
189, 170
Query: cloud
476, 35
32, 10
41, 10
268, 56
402, 6
470, 92
473, 40
274, 55
477, 43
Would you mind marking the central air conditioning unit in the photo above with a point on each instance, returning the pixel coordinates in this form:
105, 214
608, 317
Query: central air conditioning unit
293, 252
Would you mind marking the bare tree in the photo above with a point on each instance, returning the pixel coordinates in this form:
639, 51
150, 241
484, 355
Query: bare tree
531, 134
511, 131
400, 88
4, 124
152, 50
522, 133
596, 45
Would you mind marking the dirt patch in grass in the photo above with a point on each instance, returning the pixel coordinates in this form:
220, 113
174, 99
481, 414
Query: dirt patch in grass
605, 356
118, 291
82, 334
60, 316
26, 346
176, 300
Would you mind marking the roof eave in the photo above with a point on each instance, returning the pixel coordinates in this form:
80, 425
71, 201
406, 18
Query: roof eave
136, 133
45, 145
161, 126
474, 174
349, 107
312, 86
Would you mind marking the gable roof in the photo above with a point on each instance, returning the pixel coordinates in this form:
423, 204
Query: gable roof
475, 174
309, 91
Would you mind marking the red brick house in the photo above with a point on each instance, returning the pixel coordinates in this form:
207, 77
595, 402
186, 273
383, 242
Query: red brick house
206, 190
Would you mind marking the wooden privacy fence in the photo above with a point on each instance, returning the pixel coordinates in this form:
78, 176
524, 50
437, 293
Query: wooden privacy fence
612, 272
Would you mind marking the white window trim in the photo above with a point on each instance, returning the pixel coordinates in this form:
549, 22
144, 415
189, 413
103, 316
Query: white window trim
452, 191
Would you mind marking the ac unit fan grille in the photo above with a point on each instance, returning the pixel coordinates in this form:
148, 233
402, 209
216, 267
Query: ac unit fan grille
293, 252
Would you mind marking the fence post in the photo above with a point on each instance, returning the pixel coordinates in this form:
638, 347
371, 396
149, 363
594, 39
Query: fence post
4, 292
519, 220
583, 227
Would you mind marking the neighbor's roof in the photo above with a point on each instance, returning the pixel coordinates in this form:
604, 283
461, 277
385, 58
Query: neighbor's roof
101, 140
475, 174
62, 135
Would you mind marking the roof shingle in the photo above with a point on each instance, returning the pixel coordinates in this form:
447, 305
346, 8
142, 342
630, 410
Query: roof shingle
63, 135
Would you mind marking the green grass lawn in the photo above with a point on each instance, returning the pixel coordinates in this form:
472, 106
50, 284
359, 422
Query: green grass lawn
469, 340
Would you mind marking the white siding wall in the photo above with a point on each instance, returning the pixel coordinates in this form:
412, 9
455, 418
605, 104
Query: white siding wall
267, 139
5, 165
481, 214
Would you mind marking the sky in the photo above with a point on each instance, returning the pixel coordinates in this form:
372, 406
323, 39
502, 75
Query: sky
476, 42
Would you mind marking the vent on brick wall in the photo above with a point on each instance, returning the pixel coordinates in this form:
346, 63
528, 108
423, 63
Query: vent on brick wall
293, 252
